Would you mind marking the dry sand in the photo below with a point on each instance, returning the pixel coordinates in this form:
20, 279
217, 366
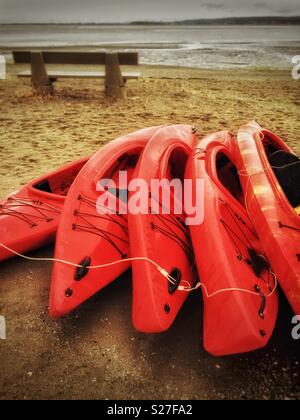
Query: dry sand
95, 353
37, 135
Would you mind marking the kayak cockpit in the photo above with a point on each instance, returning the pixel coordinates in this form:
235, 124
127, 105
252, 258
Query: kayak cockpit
286, 168
229, 177
59, 183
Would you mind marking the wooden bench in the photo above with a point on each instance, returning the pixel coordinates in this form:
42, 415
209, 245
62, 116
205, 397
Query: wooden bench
43, 79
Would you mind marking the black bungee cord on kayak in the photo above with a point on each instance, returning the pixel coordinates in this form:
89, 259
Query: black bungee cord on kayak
105, 216
89, 227
171, 234
232, 233
282, 225
169, 220
199, 151
236, 218
9, 209
257, 262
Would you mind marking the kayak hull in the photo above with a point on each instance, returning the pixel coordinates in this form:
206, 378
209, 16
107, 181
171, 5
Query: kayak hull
238, 315
88, 234
276, 221
161, 238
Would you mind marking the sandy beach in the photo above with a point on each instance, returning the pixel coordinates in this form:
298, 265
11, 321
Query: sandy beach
40, 134
95, 353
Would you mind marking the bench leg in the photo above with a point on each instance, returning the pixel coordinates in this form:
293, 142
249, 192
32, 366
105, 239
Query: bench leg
41, 83
114, 82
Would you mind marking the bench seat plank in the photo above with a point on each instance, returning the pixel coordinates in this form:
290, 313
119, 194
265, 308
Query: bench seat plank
81, 75
73, 57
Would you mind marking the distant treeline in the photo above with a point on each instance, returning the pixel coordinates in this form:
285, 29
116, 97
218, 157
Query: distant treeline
263, 20
257, 20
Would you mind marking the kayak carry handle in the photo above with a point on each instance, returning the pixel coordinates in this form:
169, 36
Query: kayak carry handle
83, 269
261, 311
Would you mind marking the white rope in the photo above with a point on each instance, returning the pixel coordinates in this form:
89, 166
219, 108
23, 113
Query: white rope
93, 267
164, 273
235, 289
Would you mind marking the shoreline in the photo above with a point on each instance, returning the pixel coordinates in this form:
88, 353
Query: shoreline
235, 46
224, 64
15, 68
272, 20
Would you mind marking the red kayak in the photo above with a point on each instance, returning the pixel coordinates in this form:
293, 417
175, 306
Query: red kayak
162, 239
29, 217
239, 287
271, 183
89, 235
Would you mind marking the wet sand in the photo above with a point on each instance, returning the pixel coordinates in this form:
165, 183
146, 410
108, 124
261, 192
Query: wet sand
95, 352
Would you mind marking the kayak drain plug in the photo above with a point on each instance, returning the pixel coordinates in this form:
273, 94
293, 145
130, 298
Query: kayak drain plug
69, 293
83, 270
167, 309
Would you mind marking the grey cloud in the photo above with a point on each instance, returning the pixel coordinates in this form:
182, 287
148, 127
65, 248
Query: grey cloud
216, 6
286, 11
260, 5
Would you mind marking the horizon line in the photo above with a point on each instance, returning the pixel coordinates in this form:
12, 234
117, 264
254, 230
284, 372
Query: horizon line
163, 22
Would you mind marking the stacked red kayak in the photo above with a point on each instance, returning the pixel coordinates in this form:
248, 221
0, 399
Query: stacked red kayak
29, 218
247, 242
161, 237
89, 235
240, 301
271, 182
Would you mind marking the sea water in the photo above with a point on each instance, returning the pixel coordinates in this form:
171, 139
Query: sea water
204, 46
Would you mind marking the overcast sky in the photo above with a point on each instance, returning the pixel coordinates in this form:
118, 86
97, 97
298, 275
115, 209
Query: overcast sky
25, 11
